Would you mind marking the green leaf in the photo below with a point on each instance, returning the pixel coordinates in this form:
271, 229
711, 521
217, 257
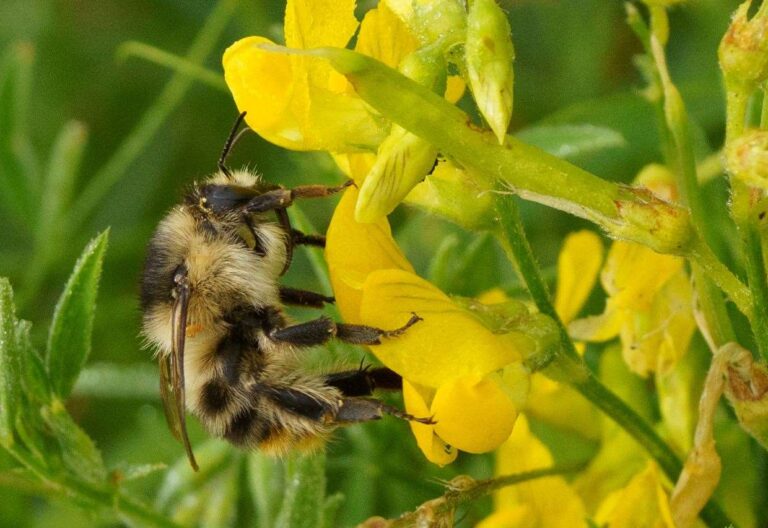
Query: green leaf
57, 190
221, 507
10, 369
265, 481
34, 377
18, 165
78, 451
69, 339
572, 141
182, 482
304, 499
331, 510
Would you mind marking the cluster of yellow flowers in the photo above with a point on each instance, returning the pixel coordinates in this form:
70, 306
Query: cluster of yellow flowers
457, 365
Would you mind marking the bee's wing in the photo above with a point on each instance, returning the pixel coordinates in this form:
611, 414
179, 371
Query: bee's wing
172, 367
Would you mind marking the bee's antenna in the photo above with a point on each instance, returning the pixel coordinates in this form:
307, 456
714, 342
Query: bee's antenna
234, 136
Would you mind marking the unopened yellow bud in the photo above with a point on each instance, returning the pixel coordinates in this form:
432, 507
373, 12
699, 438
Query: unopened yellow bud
743, 51
747, 158
651, 221
489, 54
402, 161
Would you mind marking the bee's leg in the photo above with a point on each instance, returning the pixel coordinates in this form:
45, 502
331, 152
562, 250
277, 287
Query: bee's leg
363, 381
300, 238
366, 409
351, 410
320, 330
282, 198
303, 298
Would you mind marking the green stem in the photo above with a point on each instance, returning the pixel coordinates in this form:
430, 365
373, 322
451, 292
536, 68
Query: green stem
107, 498
523, 169
742, 210
570, 368
174, 62
153, 118
680, 150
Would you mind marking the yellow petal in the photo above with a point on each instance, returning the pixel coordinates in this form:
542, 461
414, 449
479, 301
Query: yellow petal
455, 88
655, 340
355, 164
598, 327
267, 101
643, 503
551, 500
295, 102
402, 161
633, 274
317, 23
577, 267
417, 401
449, 343
473, 414
354, 250
385, 37
514, 516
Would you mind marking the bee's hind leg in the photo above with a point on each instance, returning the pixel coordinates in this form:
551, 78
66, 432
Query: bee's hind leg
366, 409
363, 381
322, 329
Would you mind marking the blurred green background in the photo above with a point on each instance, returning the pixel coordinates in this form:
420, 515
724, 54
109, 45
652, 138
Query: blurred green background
61, 70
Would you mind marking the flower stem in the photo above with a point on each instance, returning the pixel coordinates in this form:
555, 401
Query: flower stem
524, 169
465, 489
742, 211
570, 368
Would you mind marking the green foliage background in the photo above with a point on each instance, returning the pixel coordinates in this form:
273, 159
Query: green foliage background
68, 104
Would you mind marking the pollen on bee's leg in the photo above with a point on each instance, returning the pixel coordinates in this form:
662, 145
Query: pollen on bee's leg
193, 329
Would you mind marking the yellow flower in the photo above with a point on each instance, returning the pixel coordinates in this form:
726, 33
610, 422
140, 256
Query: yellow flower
455, 369
643, 503
300, 102
649, 298
548, 501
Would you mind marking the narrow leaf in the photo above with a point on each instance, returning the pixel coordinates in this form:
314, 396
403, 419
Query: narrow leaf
18, 166
265, 481
34, 378
304, 499
69, 339
78, 451
572, 141
56, 196
9, 365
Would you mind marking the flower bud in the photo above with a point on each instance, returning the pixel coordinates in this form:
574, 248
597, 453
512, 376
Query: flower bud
489, 54
647, 219
747, 158
743, 52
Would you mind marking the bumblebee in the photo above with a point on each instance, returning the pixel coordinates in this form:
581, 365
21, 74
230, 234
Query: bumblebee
213, 310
